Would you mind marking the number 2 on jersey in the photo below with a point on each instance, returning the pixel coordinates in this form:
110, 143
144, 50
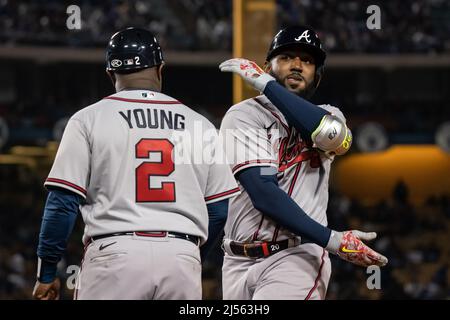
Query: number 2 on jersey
144, 172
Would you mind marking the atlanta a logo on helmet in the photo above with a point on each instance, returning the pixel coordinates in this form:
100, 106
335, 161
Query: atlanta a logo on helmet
305, 35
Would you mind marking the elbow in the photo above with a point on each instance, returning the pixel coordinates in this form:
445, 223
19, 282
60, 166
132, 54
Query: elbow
332, 136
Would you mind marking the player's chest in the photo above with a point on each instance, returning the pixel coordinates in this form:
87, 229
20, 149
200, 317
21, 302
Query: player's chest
291, 150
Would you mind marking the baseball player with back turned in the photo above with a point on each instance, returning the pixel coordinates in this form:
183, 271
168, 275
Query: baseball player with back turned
276, 236
146, 214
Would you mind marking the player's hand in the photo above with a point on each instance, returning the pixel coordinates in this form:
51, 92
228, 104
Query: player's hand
348, 246
249, 71
47, 291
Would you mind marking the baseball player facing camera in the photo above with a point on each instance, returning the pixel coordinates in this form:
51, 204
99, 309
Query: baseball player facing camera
276, 236
145, 213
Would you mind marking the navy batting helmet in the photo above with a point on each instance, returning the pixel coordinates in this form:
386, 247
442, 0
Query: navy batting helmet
132, 49
298, 36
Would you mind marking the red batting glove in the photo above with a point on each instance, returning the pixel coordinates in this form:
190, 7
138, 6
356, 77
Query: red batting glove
348, 246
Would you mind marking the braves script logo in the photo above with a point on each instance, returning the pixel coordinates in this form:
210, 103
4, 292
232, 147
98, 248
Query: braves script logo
291, 155
305, 35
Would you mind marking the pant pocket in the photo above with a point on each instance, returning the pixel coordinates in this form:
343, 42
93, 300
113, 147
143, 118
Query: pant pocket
107, 256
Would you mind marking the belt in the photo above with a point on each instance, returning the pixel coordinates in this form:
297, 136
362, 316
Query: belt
154, 234
258, 250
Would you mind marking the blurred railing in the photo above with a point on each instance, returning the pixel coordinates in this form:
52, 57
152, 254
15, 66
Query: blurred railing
209, 58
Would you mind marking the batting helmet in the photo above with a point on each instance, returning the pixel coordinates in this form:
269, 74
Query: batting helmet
132, 49
298, 36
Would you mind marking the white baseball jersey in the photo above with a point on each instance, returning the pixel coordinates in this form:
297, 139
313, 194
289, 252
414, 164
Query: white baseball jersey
125, 157
257, 134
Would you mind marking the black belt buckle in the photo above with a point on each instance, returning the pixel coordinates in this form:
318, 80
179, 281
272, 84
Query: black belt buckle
245, 246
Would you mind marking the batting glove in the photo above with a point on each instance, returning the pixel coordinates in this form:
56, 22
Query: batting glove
249, 71
348, 246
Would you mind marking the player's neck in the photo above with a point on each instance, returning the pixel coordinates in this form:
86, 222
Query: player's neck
134, 88
149, 78
138, 85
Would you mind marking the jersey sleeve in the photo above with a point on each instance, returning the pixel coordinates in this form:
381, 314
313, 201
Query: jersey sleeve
71, 168
247, 143
220, 183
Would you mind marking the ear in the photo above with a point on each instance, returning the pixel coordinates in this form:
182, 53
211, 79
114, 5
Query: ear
159, 71
112, 77
318, 76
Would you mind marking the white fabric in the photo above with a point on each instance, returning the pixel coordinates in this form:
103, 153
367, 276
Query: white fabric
116, 154
140, 268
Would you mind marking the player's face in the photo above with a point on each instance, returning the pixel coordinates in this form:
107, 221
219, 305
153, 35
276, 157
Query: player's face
295, 69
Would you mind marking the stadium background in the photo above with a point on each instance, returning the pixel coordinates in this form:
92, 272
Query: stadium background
396, 180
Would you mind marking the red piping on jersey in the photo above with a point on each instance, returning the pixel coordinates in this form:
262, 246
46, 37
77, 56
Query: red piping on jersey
67, 183
275, 233
274, 114
252, 161
222, 194
317, 279
255, 235
294, 180
143, 101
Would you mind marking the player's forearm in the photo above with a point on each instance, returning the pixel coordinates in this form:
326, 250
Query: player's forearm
328, 132
300, 113
268, 198
217, 213
57, 223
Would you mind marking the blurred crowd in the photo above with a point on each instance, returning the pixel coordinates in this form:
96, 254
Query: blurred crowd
419, 26
406, 26
414, 238
180, 25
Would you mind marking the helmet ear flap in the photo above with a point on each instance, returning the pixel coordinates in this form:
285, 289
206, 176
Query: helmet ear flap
318, 76
159, 71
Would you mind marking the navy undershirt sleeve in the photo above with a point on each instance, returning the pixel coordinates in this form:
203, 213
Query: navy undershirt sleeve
59, 218
217, 213
268, 198
300, 113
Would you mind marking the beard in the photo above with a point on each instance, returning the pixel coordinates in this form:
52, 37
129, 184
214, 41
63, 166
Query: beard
307, 92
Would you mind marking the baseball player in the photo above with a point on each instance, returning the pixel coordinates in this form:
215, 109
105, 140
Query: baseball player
145, 211
276, 237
